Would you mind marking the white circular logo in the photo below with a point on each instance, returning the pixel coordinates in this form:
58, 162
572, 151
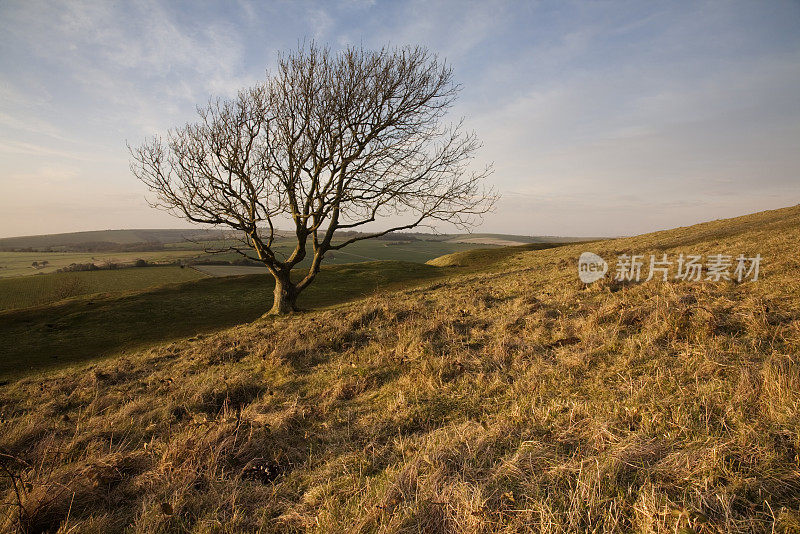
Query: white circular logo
591, 267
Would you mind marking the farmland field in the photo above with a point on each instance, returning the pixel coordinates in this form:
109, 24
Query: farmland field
230, 270
24, 291
14, 264
368, 250
20, 263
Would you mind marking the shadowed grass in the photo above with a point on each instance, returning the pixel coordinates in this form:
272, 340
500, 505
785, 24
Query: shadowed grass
87, 327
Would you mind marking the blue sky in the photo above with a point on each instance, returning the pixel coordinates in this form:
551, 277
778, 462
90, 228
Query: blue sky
601, 118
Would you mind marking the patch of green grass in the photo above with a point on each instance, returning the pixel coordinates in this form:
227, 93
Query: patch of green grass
88, 327
25, 291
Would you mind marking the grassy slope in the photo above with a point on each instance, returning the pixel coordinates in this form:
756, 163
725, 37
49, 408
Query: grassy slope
488, 401
477, 238
28, 291
92, 325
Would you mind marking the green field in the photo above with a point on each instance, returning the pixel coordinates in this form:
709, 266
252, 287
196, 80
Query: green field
24, 291
230, 270
20, 263
368, 250
14, 264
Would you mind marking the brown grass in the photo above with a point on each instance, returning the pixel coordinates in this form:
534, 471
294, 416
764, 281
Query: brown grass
503, 401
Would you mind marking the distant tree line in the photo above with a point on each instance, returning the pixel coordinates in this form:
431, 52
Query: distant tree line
105, 266
92, 246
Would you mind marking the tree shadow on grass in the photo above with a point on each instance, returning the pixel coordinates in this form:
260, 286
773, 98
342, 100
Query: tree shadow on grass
94, 326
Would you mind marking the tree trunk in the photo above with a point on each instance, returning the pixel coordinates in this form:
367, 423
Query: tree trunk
285, 295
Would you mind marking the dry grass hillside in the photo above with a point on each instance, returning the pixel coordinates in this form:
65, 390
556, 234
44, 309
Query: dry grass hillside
502, 398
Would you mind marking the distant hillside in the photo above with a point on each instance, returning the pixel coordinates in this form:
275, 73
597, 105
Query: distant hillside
121, 240
505, 240
119, 237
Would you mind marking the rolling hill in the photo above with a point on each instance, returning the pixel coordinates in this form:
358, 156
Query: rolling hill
513, 240
68, 241
499, 395
118, 237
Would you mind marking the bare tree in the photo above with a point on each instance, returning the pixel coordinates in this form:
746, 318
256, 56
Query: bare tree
328, 142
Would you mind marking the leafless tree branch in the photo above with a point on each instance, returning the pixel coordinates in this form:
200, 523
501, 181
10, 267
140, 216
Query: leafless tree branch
328, 142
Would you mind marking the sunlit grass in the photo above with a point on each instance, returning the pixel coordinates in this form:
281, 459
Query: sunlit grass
511, 400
